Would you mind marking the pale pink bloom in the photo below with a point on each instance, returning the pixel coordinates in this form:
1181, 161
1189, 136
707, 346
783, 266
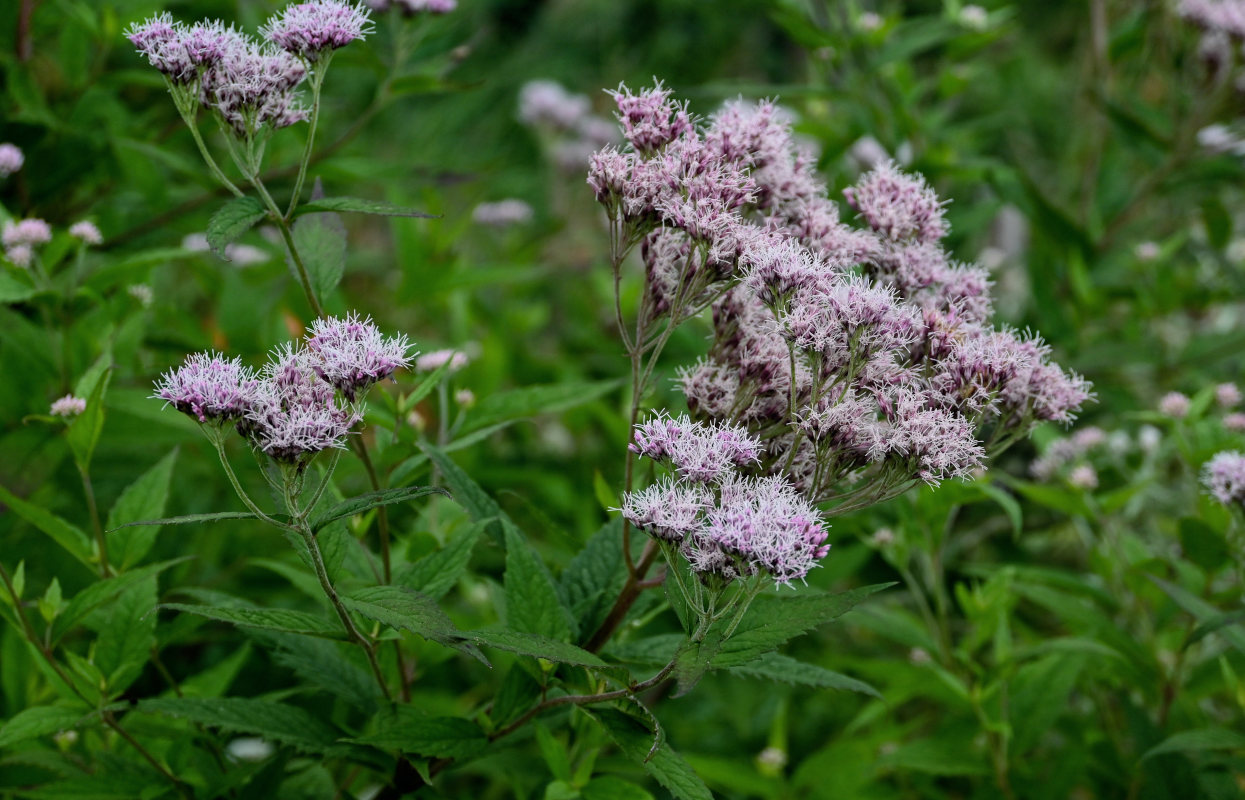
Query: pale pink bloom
1224, 477
11, 159
1174, 405
1227, 395
87, 232
68, 406
1083, 476
428, 362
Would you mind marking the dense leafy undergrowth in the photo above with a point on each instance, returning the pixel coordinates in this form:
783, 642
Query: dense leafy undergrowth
389, 411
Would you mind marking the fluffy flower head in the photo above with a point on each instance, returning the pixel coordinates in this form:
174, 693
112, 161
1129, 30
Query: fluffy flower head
309, 29
68, 406
11, 159
352, 354
1224, 477
897, 205
209, 387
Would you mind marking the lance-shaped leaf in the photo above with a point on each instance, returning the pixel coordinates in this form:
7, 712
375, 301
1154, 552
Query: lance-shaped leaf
777, 667
32, 723
100, 592
142, 499
188, 519
364, 502
283, 620
407, 610
530, 644
406, 729
636, 740
232, 220
276, 722
359, 205
67, 535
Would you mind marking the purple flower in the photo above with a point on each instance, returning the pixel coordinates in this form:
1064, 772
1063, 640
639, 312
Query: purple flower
935, 444
651, 120
22, 255
68, 406
209, 387
1224, 477
428, 362
1174, 405
252, 86
898, 206
847, 321
352, 354
700, 453
669, 510
309, 29
1227, 395
849, 428
294, 414
86, 232
1234, 422
1216, 16
30, 232
778, 268
11, 159
547, 104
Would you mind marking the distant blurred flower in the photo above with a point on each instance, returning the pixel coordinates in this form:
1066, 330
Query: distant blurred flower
68, 406
11, 159
429, 362
1227, 395
1234, 422
868, 152
309, 29
240, 255
465, 398
868, 21
918, 655
883, 537
416, 420
1083, 476
1221, 139
1225, 16
974, 17
249, 749
29, 232
1149, 438
548, 104
412, 7
1224, 477
142, 293
1174, 405
22, 255
774, 758
502, 213
87, 232
1146, 251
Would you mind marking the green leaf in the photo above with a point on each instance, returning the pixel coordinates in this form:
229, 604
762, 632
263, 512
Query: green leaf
1203, 545
276, 722
1006, 502
359, 205
425, 386
232, 220
403, 609
63, 533
772, 621
13, 290
143, 499
942, 755
436, 573
1202, 611
1217, 221
327, 665
532, 603
665, 765
1197, 741
532, 400
596, 575
1039, 694
777, 667
83, 432
32, 723
126, 639
268, 619
468, 494
188, 519
404, 728
100, 592
608, 787
321, 242
364, 502
530, 644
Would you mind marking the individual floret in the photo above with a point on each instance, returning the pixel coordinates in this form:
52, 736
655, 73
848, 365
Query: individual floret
11, 159
68, 406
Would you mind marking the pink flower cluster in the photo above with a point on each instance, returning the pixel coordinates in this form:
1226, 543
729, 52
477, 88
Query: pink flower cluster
1224, 477
248, 84
725, 523
1216, 16
853, 353
22, 238
290, 410
566, 120
410, 8
11, 159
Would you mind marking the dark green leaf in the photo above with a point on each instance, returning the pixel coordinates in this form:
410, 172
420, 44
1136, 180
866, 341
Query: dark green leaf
468, 494
269, 619
530, 644
405, 729
232, 220
331, 666
192, 518
1202, 611
63, 533
777, 667
321, 242
596, 575
359, 205
32, 723
436, 573
143, 499
126, 639
1039, 694
636, 739
364, 502
1203, 545
404, 609
1197, 741
277, 722
83, 432
532, 603
100, 592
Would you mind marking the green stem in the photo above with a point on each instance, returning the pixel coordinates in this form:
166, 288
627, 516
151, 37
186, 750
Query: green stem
317, 81
100, 542
218, 443
186, 104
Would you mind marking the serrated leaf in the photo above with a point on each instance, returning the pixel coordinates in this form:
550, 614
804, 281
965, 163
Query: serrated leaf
143, 499
532, 603
530, 644
596, 575
359, 205
777, 667
665, 765
126, 639
1202, 611
327, 665
364, 502
67, 535
468, 494
90, 598
772, 621
187, 519
1197, 741
276, 722
32, 723
269, 619
436, 573
321, 243
232, 220
404, 728
532, 400
404, 609
83, 433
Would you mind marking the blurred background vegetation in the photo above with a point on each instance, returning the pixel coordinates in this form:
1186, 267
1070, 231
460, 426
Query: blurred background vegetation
1063, 645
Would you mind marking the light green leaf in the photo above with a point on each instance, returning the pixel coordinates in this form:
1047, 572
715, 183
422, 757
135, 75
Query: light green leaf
436, 573
276, 722
425, 386
100, 592
13, 290
359, 205
268, 619
232, 220
125, 641
32, 723
364, 502
665, 765
83, 432
188, 519
468, 494
321, 242
65, 534
608, 787
143, 499
532, 603
777, 667
1197, 741
404, 728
